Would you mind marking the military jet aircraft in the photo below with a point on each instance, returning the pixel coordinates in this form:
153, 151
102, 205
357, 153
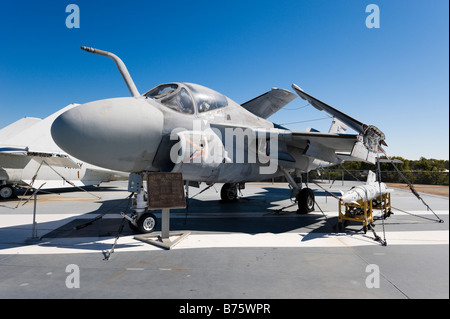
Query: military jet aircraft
30, 158
189, 128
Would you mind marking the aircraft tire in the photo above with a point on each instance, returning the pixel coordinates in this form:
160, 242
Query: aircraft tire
147, 223
6, 192
228, 192
305, 201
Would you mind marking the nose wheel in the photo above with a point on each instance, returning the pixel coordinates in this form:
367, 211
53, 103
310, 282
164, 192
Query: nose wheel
144, 224
147, 223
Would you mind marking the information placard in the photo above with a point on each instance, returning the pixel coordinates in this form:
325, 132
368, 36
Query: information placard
165, 190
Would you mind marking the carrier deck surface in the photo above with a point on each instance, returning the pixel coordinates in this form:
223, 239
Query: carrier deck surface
246, 249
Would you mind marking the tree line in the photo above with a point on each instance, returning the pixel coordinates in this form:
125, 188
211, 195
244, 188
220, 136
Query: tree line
423, 171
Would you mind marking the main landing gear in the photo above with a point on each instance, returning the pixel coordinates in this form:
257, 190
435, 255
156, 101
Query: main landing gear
7, 191
303, 196
305, 201
229, 192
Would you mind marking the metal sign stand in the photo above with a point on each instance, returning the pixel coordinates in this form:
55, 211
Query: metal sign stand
165, 191
34, 237
163, 240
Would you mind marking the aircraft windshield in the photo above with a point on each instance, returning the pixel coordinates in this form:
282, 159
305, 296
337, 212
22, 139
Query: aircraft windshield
174, 97
161, 91
207, 99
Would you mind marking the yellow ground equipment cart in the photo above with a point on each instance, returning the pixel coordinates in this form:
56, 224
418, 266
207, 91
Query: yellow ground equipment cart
362, 212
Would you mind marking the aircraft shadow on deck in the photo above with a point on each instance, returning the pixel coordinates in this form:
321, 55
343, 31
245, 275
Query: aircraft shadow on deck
66, 190
254, 214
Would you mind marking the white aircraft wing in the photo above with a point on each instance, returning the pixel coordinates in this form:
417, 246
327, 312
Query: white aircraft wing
62, 161
373, 137
8, 154
337, 142
321, 106
54, 184
35, 136
324, 146
269, 103
31, 137
13, 150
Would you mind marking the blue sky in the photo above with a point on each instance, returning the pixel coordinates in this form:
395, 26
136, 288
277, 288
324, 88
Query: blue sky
395, 77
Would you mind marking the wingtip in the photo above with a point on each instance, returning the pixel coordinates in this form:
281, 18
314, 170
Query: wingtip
296, 87
300, 92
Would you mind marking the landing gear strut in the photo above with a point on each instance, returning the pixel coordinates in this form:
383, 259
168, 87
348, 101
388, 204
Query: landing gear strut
304, 196
140, 221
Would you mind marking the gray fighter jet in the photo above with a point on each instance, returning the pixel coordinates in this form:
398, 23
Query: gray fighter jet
189, 128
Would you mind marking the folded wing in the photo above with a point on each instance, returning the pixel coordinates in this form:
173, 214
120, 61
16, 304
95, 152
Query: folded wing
371, 138
269, 103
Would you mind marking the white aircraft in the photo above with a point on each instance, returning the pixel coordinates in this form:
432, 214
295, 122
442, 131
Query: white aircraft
30, 157
188, 128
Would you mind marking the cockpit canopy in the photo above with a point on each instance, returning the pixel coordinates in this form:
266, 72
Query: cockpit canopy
186, 97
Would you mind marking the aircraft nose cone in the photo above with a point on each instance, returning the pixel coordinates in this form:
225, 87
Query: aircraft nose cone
120, 134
